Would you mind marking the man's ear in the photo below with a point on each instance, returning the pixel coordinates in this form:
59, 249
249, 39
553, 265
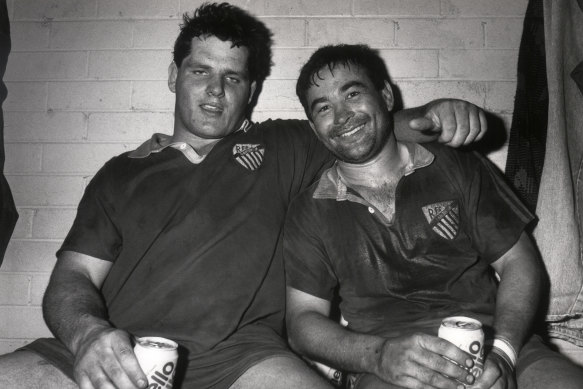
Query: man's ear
172, 74
387, 93
252, 91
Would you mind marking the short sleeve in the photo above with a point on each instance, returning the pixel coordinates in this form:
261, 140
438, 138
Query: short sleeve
497, 217
94, 232
302, 155
307, 265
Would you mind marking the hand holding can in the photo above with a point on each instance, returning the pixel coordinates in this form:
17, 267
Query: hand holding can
467, 334
157, 357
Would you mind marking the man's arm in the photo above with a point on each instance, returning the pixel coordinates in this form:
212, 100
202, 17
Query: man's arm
74, 311
450, 121
517, 301
406, 361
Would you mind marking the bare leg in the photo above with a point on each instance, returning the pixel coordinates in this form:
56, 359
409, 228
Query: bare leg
280, 373
556, 372
369, 381
25, 369
571, 351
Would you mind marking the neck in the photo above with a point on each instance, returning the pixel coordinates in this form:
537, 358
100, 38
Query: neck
202, 146
385, 167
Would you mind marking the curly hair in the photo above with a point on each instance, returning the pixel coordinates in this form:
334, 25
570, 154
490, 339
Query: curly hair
228, 23
329, 57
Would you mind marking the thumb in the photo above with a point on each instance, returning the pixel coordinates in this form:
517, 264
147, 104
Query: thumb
422, 124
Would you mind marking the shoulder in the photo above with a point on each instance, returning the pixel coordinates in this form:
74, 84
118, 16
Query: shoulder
112, 173
289, 129
450, 158
307, 204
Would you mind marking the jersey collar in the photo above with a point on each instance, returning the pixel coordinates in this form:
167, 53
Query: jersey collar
159, 142
331, 185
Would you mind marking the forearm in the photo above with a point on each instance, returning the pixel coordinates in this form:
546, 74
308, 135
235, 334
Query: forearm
319, 338
403, 131
73, 307
518, 296
516, 308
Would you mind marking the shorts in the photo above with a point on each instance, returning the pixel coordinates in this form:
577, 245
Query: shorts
218, 368
533, 350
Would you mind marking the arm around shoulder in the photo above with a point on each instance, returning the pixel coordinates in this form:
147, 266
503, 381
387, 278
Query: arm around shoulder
450, 121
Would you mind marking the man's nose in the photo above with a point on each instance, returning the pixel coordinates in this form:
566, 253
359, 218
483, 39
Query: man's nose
215, 86
342, 114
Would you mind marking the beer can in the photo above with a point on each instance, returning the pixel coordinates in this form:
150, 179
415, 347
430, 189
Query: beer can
157, 357
335, 377
467, 334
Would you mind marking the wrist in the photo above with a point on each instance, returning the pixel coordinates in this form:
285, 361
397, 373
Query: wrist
502, 347
87, 328
377, 359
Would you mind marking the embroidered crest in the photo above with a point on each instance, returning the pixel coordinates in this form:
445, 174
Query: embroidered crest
444, 218
249, 156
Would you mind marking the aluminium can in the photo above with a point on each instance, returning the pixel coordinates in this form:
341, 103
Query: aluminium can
467, 334
157, 357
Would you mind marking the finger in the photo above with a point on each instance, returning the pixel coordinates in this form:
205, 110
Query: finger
474, 124
84, 382
99, 380
446, 349
433, 379
119, 377
422, 381
435, 363
490, 375
422, 124
462, 125
483, 125
130, 365
448, 124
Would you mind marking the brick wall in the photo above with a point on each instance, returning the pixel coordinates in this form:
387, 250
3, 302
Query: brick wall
87, 80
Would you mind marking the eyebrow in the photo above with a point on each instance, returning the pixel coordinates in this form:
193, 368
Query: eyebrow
243, 73
316, 102
343, 89
350, 84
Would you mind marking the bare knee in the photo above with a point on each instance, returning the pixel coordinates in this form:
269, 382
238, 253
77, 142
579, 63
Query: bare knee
25, 369
557, 372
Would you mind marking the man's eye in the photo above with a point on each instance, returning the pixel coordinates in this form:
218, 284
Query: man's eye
323, 108
199, 72
234, 80
353, 94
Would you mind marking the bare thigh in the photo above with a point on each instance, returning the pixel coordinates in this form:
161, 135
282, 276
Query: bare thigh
557, 372
369, 381
25, 369
280, 373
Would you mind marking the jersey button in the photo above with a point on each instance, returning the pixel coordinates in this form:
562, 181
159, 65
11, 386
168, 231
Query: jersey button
371, 209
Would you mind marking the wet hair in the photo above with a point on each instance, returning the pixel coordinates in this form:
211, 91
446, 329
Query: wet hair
228, 23
329, 57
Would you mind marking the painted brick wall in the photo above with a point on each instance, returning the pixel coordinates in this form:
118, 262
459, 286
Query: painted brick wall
87, 80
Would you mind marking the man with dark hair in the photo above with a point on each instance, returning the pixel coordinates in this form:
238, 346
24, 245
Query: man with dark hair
409, 235
178, 238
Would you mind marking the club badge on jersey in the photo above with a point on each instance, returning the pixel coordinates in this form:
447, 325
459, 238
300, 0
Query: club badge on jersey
444, 218
250, 156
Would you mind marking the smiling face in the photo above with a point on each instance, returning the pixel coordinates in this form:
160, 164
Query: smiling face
349, 115
212, 89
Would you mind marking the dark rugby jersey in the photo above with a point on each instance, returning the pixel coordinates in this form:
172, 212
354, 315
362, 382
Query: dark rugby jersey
193, 246
454, 216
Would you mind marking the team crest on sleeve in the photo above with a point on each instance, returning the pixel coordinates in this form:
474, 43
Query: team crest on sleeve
444, 218
248, 155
